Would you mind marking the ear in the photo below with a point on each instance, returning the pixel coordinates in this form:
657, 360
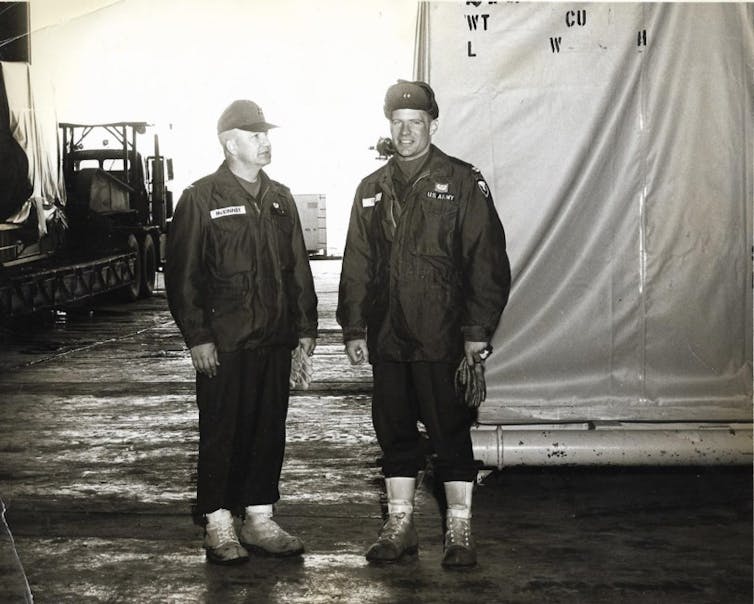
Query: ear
434, 124
230, 145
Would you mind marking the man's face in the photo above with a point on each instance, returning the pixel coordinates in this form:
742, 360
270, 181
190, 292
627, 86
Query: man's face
411, 131
252, 148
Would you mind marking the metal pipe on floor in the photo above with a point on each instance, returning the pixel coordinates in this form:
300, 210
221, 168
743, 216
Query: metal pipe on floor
504, 446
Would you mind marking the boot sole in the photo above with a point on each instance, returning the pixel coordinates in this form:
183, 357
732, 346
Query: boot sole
458, 564
408, 552
212, 559
260, 551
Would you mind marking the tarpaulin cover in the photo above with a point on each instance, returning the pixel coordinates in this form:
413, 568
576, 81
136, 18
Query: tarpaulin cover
33, 124
617, 141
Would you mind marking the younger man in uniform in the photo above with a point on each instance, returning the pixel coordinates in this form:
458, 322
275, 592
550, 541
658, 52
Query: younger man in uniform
424, 281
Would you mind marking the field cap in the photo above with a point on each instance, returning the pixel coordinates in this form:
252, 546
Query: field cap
411, 95
244, 115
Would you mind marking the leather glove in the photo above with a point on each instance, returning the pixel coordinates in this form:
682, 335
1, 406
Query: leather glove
469, 383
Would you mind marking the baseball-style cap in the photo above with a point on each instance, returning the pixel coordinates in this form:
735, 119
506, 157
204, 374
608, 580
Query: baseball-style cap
411, 95
244, 115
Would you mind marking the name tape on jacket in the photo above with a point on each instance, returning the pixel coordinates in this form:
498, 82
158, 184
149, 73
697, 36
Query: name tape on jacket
220, 212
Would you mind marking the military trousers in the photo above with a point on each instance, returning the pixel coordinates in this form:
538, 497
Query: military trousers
407, 393
242, 415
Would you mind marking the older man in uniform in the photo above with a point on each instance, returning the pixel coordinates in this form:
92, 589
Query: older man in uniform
424, 281
240, 289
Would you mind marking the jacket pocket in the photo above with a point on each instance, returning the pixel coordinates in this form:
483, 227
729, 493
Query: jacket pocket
435, 228
431, 312
284, 236
231, 244
230, 316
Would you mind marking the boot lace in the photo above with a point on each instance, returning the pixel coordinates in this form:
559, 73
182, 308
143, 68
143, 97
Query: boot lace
459, 532
275, 530
394, 526
225, 533
265, 530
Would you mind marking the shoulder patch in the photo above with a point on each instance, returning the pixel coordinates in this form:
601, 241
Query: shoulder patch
480, 182
483, 187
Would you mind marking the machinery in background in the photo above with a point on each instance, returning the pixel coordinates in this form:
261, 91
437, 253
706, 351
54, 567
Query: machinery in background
93, 222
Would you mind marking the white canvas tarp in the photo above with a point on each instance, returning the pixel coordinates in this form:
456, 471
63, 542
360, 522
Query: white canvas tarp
617, 141
33, 124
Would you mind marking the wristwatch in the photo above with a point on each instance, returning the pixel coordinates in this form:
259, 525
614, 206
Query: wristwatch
485, 352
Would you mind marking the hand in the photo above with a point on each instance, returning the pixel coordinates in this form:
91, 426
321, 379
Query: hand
471, 350
308, 345
205, 359
357, 351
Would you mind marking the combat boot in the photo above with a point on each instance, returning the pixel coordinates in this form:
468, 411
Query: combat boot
459, 549
260, 534
397, 536
459, 546
220, 540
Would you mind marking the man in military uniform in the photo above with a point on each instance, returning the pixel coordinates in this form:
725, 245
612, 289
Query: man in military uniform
424, 281
240, 289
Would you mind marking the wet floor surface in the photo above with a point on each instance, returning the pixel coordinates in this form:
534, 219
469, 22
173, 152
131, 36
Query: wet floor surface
98, 448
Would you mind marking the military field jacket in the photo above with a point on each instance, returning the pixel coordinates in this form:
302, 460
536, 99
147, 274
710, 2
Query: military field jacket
237, 271
422, 274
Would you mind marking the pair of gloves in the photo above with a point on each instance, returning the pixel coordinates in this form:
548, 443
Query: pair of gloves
302, 370
470, 385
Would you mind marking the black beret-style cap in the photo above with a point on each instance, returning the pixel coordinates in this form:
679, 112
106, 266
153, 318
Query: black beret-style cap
411, 95
244, 115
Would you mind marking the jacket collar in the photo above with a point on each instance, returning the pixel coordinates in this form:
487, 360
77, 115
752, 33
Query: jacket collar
436, 166
226, 180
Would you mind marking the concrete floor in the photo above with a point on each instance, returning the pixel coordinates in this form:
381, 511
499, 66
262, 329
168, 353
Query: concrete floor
98, 449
